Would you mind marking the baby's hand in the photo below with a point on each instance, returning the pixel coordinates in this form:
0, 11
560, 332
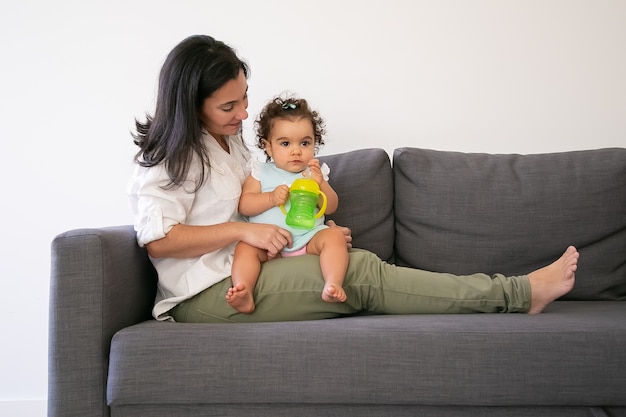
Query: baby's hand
316, 171
280, 195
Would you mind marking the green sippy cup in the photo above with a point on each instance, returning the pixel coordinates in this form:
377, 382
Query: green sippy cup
303, 196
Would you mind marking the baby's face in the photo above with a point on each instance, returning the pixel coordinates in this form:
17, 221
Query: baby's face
291, 143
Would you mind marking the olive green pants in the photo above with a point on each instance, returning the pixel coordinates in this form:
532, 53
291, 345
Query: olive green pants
291, 289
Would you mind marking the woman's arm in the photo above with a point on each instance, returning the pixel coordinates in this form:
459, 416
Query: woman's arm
184, 241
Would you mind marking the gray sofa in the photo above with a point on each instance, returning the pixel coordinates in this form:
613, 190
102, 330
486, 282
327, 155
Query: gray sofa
442, 211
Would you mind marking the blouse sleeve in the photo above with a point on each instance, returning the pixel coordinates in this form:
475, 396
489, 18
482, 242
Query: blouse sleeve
156, 209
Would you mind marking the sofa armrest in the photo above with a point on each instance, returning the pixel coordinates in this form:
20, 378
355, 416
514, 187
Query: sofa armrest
101, 282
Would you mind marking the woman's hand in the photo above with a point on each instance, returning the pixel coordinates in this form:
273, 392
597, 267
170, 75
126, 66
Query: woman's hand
268, 237
346, 232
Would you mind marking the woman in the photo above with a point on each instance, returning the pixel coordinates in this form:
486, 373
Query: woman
184, 195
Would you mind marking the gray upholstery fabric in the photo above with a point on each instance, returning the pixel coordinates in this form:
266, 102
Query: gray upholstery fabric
464, 213
101, 282
569, 361
364, 182
574, 355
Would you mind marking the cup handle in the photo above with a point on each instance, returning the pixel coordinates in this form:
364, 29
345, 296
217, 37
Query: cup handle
282, 208
323, 208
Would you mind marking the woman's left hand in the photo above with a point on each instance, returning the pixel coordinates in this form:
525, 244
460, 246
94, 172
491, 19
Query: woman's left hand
346, 232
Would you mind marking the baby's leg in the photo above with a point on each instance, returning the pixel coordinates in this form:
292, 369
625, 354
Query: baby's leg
245, 272
330, 245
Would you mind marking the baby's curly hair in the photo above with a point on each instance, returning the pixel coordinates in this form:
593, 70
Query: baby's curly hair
283, 107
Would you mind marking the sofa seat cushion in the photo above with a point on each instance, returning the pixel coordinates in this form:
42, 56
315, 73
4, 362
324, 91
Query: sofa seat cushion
572, 355
464, 213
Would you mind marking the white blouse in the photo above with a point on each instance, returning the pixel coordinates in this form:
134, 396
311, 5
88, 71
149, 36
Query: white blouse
156, 210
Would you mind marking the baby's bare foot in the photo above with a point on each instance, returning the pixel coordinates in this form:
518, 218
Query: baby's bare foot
553, 281
240, 298
333, 293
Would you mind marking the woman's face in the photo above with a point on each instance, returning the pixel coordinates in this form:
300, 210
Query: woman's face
224, 110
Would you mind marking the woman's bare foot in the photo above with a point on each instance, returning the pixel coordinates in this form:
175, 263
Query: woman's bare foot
333, 293
240, 298
553, 281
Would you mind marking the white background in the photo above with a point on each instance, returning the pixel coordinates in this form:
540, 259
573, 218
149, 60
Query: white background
497, 76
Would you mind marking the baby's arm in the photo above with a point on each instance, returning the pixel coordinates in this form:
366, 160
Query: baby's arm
253, 202
331, 195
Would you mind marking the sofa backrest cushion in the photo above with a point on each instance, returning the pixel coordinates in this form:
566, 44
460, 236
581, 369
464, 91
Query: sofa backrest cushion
464, 213
364, 182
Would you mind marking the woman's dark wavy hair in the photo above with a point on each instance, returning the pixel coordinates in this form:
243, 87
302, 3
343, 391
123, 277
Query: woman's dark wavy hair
192, 72
290, 108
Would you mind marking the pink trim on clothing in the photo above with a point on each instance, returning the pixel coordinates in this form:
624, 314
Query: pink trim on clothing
301, 251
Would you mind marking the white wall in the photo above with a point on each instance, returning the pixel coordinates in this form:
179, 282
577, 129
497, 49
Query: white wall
523, 76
